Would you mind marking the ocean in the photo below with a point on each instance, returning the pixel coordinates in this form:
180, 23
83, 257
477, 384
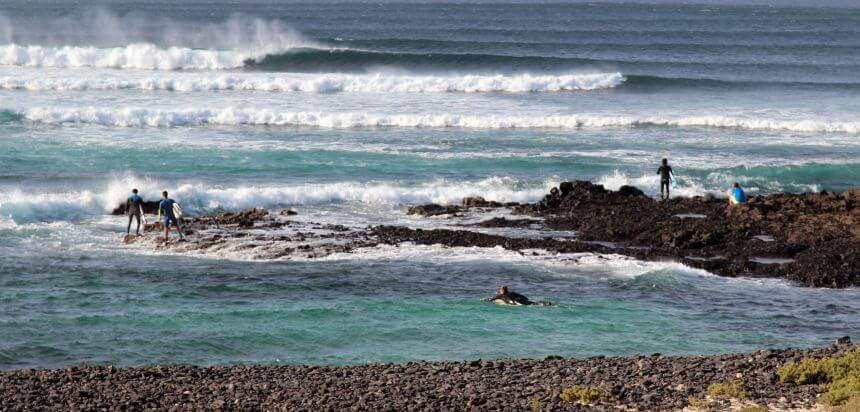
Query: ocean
349, 112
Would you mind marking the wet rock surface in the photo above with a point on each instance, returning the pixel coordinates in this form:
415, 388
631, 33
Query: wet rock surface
819, 233
812, 239
255, 234
642, 383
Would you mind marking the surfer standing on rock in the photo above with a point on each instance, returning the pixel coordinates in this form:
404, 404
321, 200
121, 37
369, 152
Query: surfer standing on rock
134, 208
665, 172
167, 213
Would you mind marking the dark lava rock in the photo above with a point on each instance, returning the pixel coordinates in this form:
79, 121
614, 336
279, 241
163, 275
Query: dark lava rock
477, 201
433, 209
150, 207
630, 191
818, 233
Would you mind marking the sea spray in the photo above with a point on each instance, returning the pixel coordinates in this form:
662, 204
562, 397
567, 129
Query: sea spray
88, 37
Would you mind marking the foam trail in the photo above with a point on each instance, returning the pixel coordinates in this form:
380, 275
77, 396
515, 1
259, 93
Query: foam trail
588, 264
140, 117
311, 83
199, 198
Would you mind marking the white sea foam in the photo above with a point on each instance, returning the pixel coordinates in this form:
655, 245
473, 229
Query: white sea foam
26, 207
588, 264
293, 82
22, 206
716, 183
231, 116
685, 187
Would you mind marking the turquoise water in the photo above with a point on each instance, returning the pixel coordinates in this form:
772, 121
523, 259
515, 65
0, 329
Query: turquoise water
166, 310
350, 112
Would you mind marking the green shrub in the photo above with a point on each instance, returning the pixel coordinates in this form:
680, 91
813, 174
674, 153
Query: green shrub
808, 371
840, 376
585, 394
732, 389
851, 405
841, 390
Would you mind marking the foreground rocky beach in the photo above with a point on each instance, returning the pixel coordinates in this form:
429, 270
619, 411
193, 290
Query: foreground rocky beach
756, 381
812, 239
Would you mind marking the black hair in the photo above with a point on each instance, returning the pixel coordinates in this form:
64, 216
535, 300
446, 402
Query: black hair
164, 193
134, 191
665, 160
737, 184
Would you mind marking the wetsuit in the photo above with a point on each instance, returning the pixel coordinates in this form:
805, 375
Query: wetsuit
665, 172
133, 206
738, 196
165, 210
513, 298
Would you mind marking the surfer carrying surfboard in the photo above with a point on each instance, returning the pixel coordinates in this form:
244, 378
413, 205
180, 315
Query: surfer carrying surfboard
167, 211
134, 208
665, 172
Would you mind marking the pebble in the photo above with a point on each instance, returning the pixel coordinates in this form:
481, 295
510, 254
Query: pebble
636, 382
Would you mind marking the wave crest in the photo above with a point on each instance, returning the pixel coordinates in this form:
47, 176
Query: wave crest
322, 83
140, 117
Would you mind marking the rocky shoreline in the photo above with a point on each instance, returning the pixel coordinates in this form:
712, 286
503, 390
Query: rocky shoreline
644, 383
812, 239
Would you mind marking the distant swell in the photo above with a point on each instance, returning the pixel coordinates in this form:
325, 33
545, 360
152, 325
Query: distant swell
140, 117
324, 83
660, 83
316, 59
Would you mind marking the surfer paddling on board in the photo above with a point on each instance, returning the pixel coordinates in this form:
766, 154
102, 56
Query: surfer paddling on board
665, 172
167, 211
134, 208
506, 297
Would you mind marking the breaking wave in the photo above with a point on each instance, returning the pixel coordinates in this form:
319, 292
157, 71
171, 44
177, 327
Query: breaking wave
142, 117
133, 56
23, 206
219, 45
323, 83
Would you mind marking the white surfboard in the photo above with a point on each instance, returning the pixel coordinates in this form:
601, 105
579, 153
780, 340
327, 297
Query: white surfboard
142, 215
177, 210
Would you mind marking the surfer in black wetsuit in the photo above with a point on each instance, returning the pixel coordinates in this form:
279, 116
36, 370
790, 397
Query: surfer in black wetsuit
665, 172
134, 208
506, 297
